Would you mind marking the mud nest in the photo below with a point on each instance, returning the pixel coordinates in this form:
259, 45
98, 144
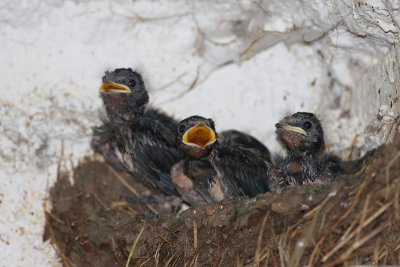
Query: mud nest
355, 220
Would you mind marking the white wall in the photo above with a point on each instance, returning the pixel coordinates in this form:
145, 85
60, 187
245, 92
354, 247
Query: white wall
252, 63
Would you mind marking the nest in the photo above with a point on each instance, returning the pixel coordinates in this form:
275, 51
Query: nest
355, 220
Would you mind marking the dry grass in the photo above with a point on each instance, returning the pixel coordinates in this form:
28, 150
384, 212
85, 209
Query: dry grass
351, 229
134, 247
355, 221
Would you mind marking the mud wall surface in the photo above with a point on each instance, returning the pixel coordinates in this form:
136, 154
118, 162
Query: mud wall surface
246, 64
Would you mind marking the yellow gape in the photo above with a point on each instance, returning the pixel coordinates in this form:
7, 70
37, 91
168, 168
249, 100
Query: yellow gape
115, 87
200, 136
294, 129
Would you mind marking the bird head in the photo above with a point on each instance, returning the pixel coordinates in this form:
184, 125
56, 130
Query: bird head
196, 136
301, 132
123, 93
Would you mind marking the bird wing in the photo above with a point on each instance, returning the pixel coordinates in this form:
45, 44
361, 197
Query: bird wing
331, 167
246, 141
193, 180
202, 173
106, 139
146, 150
151, 159
354, 166
241, 171
148, 157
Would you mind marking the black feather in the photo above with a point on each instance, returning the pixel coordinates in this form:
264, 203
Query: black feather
240, 170
305, 161
135, 138
247, 141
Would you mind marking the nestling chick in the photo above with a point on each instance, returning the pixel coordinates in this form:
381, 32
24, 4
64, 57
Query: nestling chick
212, 171
134, 137
141, 140
303, 137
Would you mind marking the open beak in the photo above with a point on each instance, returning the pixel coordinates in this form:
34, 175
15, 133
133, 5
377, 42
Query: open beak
200, 136
115, 87
287, 127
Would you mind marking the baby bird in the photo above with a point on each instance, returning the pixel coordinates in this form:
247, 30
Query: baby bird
141, 140
303, 137
134, 137
212, 171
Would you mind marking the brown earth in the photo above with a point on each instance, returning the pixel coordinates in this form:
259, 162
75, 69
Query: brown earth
355, 220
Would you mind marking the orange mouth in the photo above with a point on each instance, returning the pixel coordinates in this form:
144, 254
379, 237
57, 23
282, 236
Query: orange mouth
200, 136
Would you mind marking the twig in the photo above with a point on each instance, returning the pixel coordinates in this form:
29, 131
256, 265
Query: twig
143, 263
350, 236
54, 217
358, 244
376, 253
397, 200
363, 215
176, 261
97, 198
195, 259
353, 205
134, 246
259, 241
133, 190
67, 262
192, 261
376, 214
350, 150
169, 260
315, 250
389, 129
308, 237
352, 226
283, 255
157, 253
122, 180
222, 258
390, 164
195, 235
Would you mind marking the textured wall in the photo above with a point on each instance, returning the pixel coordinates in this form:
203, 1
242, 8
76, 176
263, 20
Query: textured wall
244, 63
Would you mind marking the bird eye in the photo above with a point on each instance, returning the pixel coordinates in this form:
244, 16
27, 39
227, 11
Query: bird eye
307, 125
182, 128
132, 83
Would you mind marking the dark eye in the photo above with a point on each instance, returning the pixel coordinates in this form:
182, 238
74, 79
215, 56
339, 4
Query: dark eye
307, 125
132, 83
182, 128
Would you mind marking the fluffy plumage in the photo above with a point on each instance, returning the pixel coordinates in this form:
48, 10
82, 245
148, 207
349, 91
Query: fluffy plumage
213, 171
305, 162
141, 140
234, 137
134, 137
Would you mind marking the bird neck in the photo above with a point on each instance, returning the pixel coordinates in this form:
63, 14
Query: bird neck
300, 153
120, 106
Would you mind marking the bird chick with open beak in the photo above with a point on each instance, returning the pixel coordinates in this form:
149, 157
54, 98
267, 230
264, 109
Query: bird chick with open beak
303, 137
212, 171
134, 137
